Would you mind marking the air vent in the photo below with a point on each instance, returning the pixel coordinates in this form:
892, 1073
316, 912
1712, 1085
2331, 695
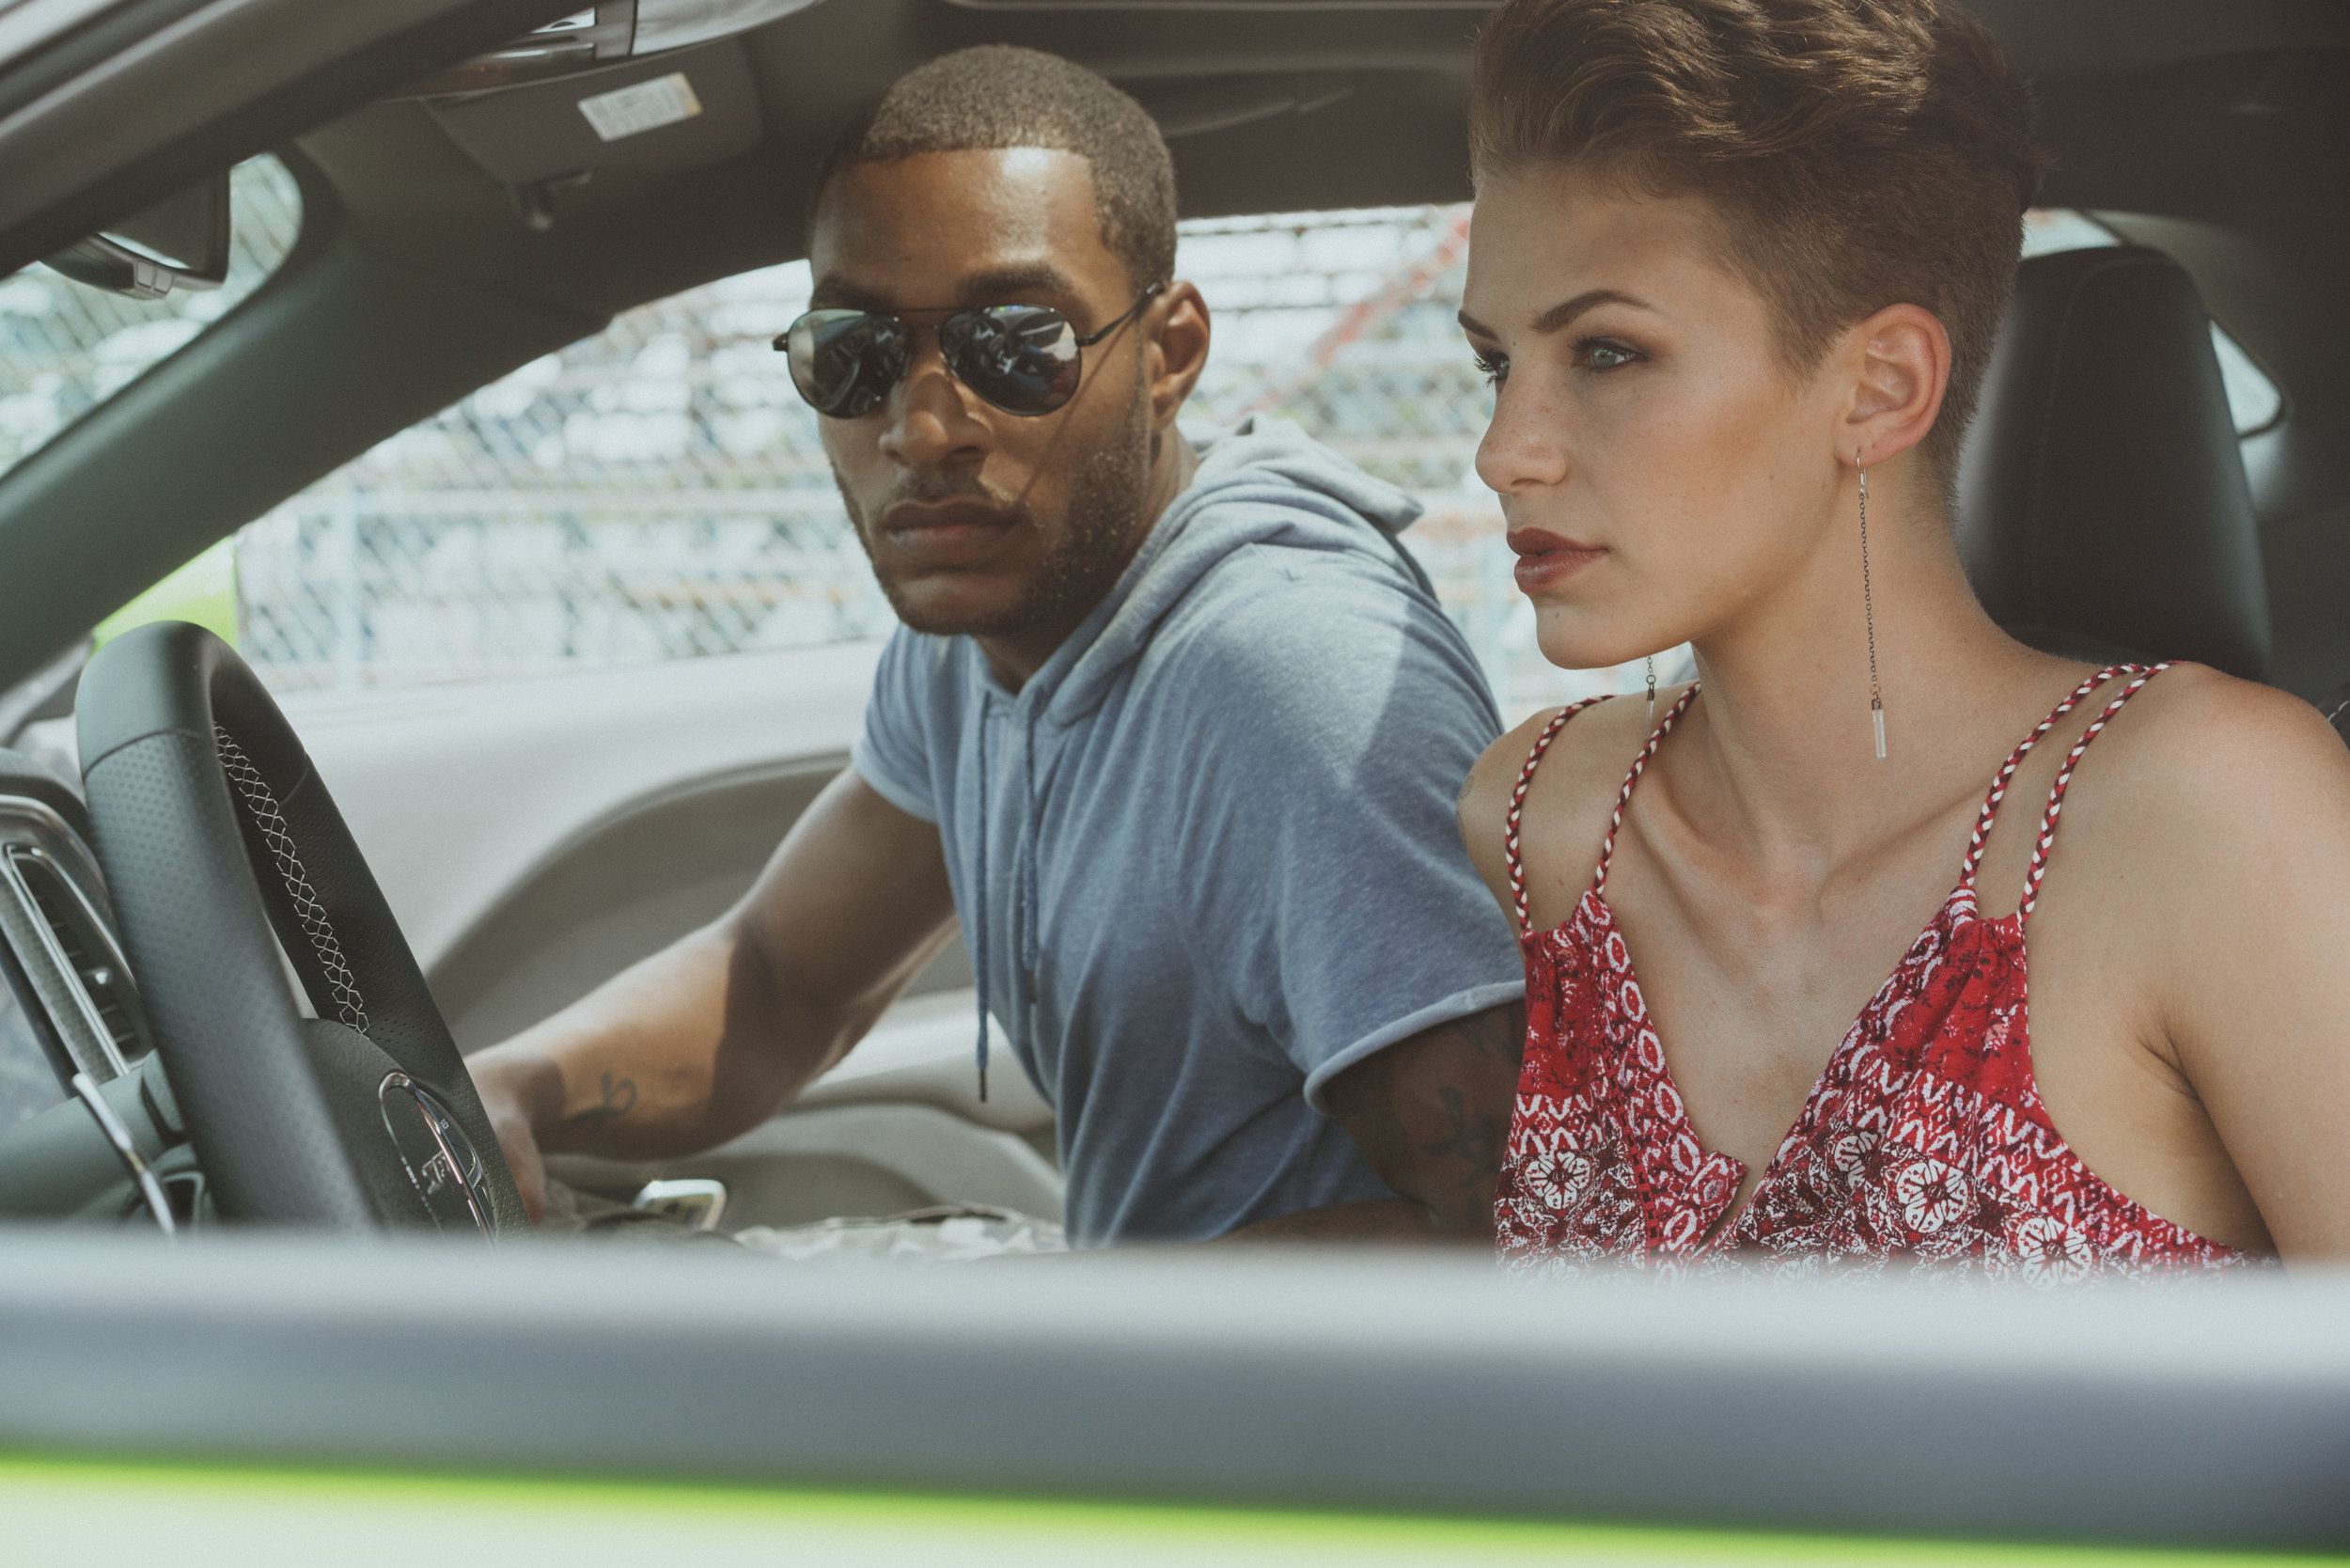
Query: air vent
72, 960
89, 953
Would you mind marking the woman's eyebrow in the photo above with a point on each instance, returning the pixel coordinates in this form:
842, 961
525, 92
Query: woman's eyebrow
1559, 316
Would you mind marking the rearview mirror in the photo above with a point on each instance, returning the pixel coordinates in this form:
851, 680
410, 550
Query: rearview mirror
179, 243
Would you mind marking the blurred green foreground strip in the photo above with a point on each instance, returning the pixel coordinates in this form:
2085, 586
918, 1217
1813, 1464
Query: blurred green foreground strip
262, 1398
66, 1514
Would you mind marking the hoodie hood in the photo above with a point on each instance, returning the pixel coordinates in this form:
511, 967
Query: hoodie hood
1263, 481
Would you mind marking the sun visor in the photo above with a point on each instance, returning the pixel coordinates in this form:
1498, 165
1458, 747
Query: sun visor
675, 111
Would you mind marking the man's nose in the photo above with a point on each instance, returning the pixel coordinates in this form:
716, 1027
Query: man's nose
932, 416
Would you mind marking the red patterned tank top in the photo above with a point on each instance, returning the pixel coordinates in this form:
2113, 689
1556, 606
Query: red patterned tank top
1924, 1144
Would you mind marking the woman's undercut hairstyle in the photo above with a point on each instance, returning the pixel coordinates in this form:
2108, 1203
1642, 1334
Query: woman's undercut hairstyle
1860, 154
997, 96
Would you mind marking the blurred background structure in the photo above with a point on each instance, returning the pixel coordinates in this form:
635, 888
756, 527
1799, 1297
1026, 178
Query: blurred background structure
658, 490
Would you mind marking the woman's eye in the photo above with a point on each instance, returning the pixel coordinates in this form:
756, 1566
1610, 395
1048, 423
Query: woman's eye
1601, 354
1494, 368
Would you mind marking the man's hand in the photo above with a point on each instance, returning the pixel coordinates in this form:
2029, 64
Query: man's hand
509, 1087
1432, 1114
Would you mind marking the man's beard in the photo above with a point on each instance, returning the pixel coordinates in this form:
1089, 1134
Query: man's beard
1079, 568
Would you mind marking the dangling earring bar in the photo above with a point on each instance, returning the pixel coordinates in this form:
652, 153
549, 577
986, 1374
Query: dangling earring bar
1869, 610
1652, 691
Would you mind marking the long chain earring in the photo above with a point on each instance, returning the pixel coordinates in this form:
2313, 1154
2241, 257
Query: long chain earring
1652, 691
1869, 609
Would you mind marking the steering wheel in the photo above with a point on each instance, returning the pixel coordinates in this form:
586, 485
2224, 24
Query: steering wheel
222, 849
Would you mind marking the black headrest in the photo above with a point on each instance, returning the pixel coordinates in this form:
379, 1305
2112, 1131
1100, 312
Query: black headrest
2102, 505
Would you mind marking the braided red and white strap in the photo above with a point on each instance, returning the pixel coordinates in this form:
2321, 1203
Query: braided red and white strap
2063, 780
1639, 765
1517, 805
1998, 793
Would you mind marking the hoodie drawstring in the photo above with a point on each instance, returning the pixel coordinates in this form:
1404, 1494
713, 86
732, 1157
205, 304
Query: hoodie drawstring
1265, 483
978, 905
1026, 844
1027, 847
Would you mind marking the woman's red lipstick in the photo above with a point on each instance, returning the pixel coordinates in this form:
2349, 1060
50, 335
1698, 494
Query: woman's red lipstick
1546, 559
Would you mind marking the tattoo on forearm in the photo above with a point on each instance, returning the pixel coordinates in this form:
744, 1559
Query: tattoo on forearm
618, 1099
1466, 1156
1432, 1114
1472, 1137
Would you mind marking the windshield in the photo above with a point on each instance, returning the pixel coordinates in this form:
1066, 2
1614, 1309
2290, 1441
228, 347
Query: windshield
65, 348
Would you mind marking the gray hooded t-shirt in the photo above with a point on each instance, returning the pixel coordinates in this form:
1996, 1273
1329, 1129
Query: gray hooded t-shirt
1205, 860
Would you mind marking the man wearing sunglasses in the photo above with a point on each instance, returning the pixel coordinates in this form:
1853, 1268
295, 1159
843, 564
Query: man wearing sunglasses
1172, 730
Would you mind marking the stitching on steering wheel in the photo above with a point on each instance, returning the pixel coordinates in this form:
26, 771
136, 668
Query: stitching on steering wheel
349, 1005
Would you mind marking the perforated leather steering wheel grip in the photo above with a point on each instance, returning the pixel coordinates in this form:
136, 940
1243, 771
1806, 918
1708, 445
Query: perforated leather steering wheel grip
220, 845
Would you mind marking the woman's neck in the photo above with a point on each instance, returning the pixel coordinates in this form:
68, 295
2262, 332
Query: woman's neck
1781, 762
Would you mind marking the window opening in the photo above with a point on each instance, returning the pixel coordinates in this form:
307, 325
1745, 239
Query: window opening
2254, 401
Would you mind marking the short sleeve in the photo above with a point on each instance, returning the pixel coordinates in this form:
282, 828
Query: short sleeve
894, 751
1353, 712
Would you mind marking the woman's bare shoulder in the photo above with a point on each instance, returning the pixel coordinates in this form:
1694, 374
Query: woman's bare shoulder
2221, 761
2216, 800
1571, 793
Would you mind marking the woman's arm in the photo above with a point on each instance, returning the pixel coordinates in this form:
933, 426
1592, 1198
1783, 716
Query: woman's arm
2247, 835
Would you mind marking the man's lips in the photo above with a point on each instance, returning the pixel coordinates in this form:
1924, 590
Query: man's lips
1547, 559
945, 533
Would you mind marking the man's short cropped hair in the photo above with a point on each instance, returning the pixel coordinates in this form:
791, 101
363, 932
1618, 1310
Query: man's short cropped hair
997, 96
1858, 153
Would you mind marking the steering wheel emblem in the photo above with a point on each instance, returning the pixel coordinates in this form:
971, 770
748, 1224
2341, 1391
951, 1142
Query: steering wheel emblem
439, 1158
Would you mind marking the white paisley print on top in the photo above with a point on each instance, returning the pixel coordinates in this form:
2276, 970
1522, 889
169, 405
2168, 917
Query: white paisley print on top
1923, 1146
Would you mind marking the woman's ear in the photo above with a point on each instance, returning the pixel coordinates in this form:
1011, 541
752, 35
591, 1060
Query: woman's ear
1177, 344
1901, 363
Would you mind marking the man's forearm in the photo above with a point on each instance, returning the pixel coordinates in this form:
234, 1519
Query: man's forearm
674, 1054
709, 1036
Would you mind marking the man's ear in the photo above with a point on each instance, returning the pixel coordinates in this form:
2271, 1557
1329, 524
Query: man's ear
1900, 361
1177, 343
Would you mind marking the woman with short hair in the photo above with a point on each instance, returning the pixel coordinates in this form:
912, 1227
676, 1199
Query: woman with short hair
1736, 269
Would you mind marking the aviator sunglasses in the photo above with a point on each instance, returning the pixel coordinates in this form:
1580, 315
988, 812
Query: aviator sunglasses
1025, 359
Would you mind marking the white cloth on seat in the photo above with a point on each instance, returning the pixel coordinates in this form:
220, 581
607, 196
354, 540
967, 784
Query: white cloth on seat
952, 1233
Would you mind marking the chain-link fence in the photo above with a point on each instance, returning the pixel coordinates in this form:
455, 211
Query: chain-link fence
658, 490
1346, 322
